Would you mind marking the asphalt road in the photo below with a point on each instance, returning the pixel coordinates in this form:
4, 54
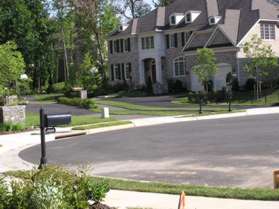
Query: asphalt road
240, 152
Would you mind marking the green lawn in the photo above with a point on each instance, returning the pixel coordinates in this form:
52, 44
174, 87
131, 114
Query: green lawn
126, 108
101, 125
32, 119
269, 98
47, 97
192, 190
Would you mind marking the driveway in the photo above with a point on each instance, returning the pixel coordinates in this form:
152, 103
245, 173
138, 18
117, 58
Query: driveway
240, 152
55, 108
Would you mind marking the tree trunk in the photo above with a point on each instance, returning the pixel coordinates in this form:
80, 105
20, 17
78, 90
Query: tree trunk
66, 68
101, 56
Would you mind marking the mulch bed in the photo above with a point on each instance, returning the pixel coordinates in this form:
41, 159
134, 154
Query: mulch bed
100, 206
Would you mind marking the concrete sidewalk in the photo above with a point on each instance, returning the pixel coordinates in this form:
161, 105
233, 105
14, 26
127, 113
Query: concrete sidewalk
176, 119
127, 199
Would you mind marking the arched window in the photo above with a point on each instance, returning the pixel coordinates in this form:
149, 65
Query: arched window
179, 67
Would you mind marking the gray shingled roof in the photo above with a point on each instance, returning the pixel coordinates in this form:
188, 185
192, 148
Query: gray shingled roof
238, 16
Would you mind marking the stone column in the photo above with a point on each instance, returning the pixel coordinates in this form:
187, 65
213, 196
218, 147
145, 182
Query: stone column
141, 73
159, 78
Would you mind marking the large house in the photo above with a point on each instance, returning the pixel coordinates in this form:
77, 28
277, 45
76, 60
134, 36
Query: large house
162, 44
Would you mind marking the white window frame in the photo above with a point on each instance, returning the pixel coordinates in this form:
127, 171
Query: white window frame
147, 42
268, 31
179, 60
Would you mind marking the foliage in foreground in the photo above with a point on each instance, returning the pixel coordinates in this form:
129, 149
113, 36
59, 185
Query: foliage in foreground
50, 188
10, 127
157, 187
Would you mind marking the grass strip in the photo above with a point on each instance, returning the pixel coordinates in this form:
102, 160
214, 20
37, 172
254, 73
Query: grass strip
101, 125
192, 190
32, 119
134, 109
47, 97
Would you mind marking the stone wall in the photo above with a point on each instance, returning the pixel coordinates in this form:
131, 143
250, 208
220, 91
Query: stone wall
12, 114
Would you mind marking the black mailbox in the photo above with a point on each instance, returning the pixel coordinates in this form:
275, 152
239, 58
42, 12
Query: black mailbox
52, 120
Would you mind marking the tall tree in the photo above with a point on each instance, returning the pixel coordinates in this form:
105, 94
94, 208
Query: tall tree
161, 3
206, 67
63, 11
131, 9
261, 60
27, 23
11, 65
98, 20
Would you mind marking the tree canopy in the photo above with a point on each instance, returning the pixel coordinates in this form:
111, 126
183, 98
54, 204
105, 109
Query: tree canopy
206, 67
11, 65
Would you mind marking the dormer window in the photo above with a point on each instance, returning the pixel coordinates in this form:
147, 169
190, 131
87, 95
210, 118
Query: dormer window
214, 20
188, 17
176, 18
123, 27
191, 16
172, 20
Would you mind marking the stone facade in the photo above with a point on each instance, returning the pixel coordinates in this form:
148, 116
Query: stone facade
127, 57
12, 114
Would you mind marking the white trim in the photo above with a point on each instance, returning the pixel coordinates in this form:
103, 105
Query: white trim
221, 29
223, 49
211, 37
189, 41
257, 22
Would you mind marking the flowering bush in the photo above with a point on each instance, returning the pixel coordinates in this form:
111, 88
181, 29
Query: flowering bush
51, 188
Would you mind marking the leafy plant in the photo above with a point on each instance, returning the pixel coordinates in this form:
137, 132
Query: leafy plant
84, 103
53, 188
206, 67
11, 64
11, 127
48, 194
3, 194
261, 60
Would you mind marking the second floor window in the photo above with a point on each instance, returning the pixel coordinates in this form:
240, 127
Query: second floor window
147, 42
128, 45
268, 31
172, 41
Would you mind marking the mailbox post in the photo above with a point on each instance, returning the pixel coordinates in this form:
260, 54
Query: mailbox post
43, 160
48, 121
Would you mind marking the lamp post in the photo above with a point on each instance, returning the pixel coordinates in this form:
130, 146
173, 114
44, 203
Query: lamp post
200, 102
43, 160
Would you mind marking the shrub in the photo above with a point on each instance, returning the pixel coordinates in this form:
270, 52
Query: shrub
11, 127
3, 195
175, 86
250, 83
48, 194
58, 87
52, 188
24, 87
235, 84
84, 103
